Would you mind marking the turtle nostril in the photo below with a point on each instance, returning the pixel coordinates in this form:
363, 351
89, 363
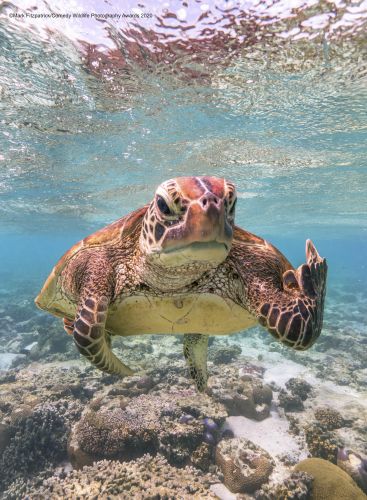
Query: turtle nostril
209, 199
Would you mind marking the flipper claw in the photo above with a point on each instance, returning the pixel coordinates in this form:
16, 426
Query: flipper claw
312, 255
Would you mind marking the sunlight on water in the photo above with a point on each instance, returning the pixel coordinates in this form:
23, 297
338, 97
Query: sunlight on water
81, 128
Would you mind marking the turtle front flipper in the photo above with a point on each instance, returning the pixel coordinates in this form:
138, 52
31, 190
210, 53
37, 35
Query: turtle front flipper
195, 352
90, 337
294, 315
68, 326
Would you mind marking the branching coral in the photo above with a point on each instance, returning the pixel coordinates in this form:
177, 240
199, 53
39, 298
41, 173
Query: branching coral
298, 391
329, 418
224, 354
118, 433
170, 423
295, 487
290, 402
299, 387
145, 478
202, 456
36, 442
321, 443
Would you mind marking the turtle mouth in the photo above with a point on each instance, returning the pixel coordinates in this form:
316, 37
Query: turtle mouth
208, 251
199, 246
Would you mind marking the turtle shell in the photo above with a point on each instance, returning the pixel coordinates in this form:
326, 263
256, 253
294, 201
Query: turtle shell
103, 237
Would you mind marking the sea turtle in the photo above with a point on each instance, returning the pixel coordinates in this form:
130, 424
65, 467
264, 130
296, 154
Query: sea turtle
180, 265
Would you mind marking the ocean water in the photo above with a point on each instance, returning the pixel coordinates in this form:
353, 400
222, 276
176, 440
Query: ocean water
95, 114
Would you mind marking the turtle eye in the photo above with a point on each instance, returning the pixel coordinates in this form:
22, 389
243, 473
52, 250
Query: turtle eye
163, 207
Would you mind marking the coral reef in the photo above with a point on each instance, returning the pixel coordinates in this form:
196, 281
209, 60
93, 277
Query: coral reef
32, 335
175, 424
290, 402
202, 457
299, 387
225, 354
133, 386
7, 376
33, 387
330, 481
294, 425
115, 433
297, 486
145, 478
201, 406
262, 394
329, 418
5, 436
321, 443
355, 465
298, 390
244, 465
35, 442
177, 442
157, 410
244, 395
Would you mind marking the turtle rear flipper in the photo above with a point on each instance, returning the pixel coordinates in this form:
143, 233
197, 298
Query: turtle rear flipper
295, 314
195, 352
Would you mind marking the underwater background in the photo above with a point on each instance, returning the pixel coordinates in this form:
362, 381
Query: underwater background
94, 114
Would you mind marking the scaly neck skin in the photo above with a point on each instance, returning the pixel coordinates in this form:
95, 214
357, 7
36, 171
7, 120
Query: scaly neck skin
168, 279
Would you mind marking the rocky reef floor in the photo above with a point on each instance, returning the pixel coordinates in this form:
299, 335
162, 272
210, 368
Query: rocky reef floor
272, 424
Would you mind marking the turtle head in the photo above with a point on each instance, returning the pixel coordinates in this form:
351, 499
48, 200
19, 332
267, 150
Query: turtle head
190, 220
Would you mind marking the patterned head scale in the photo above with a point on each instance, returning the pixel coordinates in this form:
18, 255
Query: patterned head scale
190, 219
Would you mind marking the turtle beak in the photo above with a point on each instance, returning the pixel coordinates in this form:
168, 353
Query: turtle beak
205, 222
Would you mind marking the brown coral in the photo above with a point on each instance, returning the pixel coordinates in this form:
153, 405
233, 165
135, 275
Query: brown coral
202, 457
290, 402
147, 423
246, 396
262, 394
224, 354
330, 481
329, 418
295, 487
199, 405
299, 387
145, 478
114, 433
177, 441
244, 465
321, 443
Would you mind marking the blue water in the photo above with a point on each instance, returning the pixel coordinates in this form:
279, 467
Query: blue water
80, 147
75, 156
293, 183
